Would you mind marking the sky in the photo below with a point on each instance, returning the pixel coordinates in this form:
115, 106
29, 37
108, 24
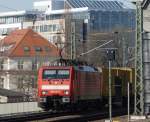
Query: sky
10, 5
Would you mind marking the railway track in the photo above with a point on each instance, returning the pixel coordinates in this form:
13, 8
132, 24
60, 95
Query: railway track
29, 116
62, 116
84, 116
88, 117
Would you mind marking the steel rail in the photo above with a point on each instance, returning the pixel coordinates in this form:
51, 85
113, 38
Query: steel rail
62, 116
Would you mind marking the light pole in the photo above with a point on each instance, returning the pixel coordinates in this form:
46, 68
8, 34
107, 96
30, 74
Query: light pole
110, 98
129, 101
111, 57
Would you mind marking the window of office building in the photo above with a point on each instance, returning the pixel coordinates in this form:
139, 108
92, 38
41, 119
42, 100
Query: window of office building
50, 38
37, 29
45, 28
54, 28
114, 19
11, 19
2, 20
41, 28
58, 27
50, 28
105, 21
55, 39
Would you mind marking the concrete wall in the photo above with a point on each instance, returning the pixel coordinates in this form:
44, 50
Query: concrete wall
3, 99
11, 108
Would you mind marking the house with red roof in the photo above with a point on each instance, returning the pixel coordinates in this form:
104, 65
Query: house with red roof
21, 54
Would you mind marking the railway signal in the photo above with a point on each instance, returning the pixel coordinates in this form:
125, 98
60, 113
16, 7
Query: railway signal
110, 54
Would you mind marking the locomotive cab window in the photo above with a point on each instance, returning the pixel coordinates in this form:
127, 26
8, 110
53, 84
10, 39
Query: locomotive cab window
56, 74
49, 74
64, 74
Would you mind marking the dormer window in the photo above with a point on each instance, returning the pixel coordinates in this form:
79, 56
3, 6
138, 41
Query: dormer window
47, 49
38, 49
26, 49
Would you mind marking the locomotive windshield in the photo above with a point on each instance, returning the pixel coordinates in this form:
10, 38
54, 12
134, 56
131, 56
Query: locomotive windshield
56, 74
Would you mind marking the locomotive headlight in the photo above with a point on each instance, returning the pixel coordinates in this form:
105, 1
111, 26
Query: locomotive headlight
66, 92
44, 92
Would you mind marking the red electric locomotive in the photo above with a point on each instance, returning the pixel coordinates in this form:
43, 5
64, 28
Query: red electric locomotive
82, 86
63, 86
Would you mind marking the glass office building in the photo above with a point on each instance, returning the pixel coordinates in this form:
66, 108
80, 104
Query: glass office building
105, 20
106, 15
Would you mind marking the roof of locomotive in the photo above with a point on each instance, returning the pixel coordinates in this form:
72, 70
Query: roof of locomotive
85, 68
77, 65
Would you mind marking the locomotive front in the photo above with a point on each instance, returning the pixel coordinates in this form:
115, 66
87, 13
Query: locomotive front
54, 87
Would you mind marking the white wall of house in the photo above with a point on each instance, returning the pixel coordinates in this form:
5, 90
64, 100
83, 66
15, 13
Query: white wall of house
3, 99
10, 81
7, 81
13, 84
5, 64
27, 65
13, 64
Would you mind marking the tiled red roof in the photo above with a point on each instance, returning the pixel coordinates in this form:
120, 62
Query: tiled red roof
14, 44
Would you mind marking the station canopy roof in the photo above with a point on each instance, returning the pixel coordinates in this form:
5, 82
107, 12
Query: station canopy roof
101, 4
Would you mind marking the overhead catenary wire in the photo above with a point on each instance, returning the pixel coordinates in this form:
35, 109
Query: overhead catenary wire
95, 48
10, 8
